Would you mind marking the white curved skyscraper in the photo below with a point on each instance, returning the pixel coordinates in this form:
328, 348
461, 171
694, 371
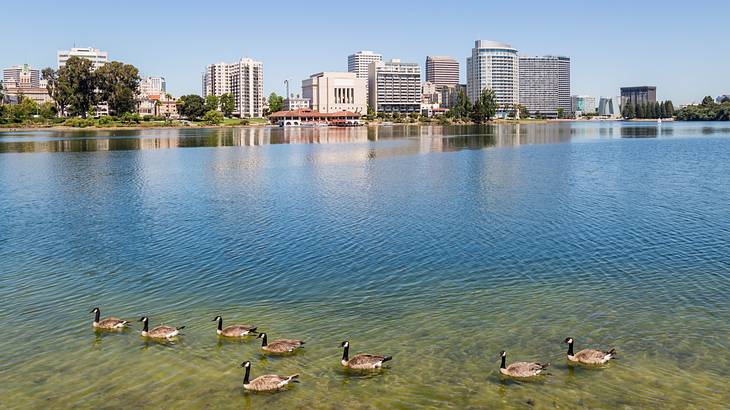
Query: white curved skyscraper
493, 65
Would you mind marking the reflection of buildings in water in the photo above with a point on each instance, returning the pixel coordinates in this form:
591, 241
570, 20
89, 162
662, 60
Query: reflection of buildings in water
295, 135
649, 130
407, 139
543, 133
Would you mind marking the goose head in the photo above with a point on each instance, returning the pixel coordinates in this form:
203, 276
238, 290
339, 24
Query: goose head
217, 318
502, 354
245, 364
345, 344
568, 340
94, 310
144, 319
261, 335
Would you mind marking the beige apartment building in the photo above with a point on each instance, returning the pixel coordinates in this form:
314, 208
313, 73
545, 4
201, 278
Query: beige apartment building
330, 92
243, 79
395, 87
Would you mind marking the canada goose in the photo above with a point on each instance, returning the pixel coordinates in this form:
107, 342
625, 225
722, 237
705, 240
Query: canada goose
280, 345
110, 323
362, 361
268, 382
160, 332
520, 369
588, 356
234, 330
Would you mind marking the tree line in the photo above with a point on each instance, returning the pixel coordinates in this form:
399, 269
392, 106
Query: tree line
77, 88
655, 110
483, 110
210, 109
708, 110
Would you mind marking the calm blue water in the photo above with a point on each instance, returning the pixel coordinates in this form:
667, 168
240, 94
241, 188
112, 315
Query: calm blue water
441, 246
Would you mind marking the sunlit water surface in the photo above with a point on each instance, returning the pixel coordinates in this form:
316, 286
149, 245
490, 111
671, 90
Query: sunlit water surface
439, 246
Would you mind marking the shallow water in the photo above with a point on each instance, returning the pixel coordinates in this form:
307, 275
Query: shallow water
439, 246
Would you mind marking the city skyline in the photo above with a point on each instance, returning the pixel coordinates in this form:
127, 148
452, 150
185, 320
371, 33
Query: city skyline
185, 43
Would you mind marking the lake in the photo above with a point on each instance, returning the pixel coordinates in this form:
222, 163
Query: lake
438, 245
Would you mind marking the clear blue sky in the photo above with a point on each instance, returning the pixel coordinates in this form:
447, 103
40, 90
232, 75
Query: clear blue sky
681, 47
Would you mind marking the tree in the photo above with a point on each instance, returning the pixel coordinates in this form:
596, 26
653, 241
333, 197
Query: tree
2, 93
641, 111
118, 85
629, 110
211, 103
59, 91
485, 107
708, 101
213, 117
78, 76
191, 106
276, 102
23, 110
463, 105
669, 108
228, 104
650, 112
47, 110
524, 112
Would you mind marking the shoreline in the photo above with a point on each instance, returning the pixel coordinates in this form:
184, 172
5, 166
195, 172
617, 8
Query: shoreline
267, 125
175, 127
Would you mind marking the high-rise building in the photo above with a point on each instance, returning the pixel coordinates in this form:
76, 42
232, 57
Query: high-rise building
21, 76
243, 79
359, 63
97, 57
395, 87
26, 81
582, 104
494, 65
609, 107
545, 84
441, 70
638, 95
330, 92
150, 86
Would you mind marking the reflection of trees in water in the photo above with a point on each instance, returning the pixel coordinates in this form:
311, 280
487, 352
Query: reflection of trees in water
639, 132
